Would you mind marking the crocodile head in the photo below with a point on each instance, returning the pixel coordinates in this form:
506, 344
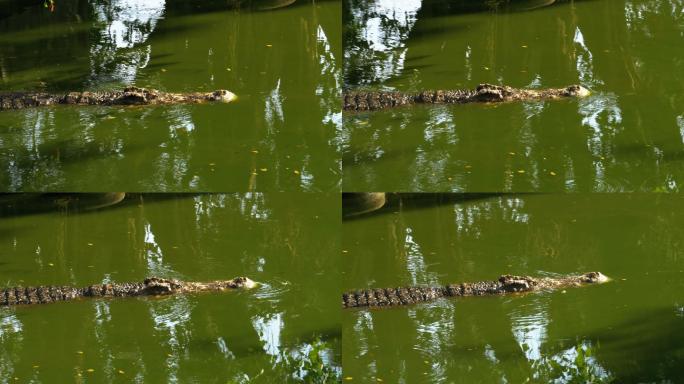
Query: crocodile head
594, 278
244, 282
223, 96
576, 91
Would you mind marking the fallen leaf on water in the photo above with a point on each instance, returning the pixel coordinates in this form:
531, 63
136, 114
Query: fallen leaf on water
212, 164
263, 169
468, 166
552, 173
90, 244
523, 46
121, 371
296, 172
228, 69
485, 68
511, 153
163, 69
254, 151
269, 45
79, 352
36, 366
349, 378
90, 370
50, 264
521, 171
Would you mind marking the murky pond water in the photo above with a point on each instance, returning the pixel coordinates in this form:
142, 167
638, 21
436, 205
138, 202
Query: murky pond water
284, 65
286, 242
627, 136
630, 329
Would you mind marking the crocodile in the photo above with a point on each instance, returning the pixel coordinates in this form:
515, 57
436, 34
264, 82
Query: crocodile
484, 93
386, 297
127, 96
151, 286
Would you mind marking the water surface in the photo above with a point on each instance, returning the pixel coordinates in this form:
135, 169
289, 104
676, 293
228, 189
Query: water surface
627, 136
282, 241
632, 326
280, 135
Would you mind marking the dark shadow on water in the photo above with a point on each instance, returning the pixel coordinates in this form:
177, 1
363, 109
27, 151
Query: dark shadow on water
403, 202
460, 7
646, 348
25, 204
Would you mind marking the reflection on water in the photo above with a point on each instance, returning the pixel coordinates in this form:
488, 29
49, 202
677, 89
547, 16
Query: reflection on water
283, 64
625, 137
275, 331
593, 334
122, 48
375, 39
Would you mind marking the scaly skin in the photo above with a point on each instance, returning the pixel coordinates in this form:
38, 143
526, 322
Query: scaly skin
484, 93
152, 286
128, 96
385, 297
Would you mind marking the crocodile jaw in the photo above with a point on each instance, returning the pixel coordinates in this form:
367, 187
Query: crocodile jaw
223, 96
248, 283
583, 92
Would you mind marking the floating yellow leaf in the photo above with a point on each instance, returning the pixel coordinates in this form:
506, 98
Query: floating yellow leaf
521, 171
263, 169
36, 366
79, 352
212, 164
296, 172
121, 371
90, 370
269, 45
552, 173
163, 69
349, 378
90, 244
511, 153
485, 68
468, 166
524, 46
50, 264
254, 151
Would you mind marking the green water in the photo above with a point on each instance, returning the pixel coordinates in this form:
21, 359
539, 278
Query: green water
627, 136
632, 324
280, 135
287, 242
